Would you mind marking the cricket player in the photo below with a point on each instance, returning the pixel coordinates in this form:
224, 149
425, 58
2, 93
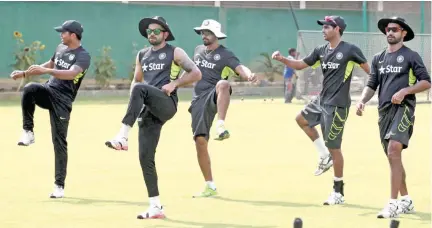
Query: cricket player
330, 109
290, 78
400, 73
212, 94
154, 102
67, 68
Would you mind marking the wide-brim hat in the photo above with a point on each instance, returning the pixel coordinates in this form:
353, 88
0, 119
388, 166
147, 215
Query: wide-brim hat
213, 26
145, 22
382, 24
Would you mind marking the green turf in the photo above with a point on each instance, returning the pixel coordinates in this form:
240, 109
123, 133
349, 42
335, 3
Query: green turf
264, 172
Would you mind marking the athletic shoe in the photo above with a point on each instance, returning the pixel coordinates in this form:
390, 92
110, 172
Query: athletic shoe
335, 198
324, 165
153, 212
389, 211
208, 192
118, 143
405, 206
27, 138
58, 192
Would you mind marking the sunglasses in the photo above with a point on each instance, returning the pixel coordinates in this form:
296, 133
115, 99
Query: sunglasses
155, 31
393, 29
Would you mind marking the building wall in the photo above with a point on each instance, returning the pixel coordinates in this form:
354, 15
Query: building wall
252, 27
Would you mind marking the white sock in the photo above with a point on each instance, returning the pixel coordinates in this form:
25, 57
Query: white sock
211, 185
154, 201
338, 178
124, 131
320, 146
393, 201
406, 197
219, 125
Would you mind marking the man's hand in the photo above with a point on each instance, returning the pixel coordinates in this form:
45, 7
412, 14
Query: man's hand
252, 78
360, 108
169, 88
277, 56
37, 70
399, 96
17, 74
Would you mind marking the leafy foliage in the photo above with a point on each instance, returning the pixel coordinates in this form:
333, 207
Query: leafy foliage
105, 68
26, 55
270, 68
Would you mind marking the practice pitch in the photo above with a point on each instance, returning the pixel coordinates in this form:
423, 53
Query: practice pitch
264, 172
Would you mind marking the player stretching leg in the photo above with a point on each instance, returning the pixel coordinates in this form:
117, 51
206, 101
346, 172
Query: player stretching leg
154, 102
67, 68
399, 73
212, 94
337, 59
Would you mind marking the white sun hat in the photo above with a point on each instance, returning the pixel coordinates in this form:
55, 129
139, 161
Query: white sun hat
212, 25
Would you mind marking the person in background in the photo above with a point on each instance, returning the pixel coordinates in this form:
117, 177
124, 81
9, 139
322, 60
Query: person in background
290, 77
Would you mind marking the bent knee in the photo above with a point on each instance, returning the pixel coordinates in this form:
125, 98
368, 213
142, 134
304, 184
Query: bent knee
301, 121
30, 87
139, 87
223, 85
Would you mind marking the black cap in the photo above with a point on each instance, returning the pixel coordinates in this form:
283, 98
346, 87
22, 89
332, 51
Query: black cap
71, 26
333, 20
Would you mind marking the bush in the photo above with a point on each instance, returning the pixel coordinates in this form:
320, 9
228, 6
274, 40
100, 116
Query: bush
270, 68
105, 68
26, 55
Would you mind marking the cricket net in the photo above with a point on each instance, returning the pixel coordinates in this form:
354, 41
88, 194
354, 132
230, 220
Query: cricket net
309, 81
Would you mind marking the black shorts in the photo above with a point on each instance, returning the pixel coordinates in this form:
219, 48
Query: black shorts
203, 111
396, 122
331, 118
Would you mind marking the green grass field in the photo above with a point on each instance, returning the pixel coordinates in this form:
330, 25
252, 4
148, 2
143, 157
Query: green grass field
264, 172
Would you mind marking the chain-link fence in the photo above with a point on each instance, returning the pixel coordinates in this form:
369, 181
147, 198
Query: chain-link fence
310, 80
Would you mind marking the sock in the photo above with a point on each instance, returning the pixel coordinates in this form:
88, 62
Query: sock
338, 178
124, 130
393, 201
154, 201
406, 197
211, 185
320, 146
219, 125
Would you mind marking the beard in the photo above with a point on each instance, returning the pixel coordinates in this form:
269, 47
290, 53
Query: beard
207, 42
155, 41
393, 40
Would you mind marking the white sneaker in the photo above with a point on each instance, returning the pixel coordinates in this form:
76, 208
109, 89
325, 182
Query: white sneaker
118, 143
389, 211
222, 133
27, 138
324, 165
335, 198
153, 212
58, 192
405, 206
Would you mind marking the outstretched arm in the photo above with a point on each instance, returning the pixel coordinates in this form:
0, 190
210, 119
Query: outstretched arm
245, 73
291, 63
